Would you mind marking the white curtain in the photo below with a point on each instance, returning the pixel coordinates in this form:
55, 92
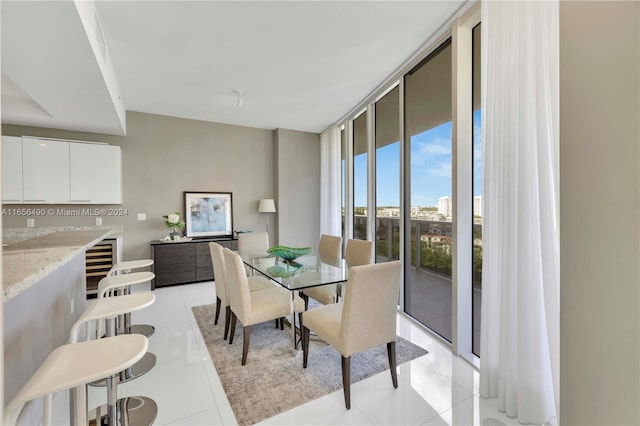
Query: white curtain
521, 275
330, 182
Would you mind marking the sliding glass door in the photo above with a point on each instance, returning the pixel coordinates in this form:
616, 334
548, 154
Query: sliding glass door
428, 115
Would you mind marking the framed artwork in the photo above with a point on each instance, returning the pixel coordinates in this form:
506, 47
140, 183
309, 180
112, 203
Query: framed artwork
208, 214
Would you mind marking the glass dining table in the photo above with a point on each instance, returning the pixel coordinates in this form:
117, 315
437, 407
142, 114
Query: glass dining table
303, 272
299, 274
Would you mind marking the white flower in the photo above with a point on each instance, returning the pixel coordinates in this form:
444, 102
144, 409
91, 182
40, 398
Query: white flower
173, 218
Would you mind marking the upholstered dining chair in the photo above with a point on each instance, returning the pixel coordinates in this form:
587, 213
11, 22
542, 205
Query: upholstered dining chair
329, 251
222, 295
257, 306
356, 253
253, 244
365, 319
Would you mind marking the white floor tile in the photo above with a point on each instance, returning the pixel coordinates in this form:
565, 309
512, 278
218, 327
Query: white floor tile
209, 417
328, 410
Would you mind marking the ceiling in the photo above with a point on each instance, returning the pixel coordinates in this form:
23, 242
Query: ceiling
300, 65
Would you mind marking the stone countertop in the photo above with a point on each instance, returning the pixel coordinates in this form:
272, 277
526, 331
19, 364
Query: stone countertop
28, 261
11, 235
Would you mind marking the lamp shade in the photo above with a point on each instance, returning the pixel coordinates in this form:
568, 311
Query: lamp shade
267, 205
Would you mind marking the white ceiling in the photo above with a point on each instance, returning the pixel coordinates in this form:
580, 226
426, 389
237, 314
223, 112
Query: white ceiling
302, 65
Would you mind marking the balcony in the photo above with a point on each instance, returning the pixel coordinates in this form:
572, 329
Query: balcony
428, 285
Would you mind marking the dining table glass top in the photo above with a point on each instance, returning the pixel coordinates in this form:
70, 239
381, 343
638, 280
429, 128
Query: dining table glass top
303, 272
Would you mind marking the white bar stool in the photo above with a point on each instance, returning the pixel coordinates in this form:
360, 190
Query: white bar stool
110, 285
116, 410
129, 265
75, 365
125, 268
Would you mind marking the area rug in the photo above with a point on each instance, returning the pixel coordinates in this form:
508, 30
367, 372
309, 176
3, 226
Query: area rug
273, 380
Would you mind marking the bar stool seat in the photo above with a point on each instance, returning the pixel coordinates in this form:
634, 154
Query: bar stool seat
76, 364
110, 284
125, 268
129, 265
114, 282
135, 278
110, 307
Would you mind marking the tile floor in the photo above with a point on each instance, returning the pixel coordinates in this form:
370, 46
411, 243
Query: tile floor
436, 389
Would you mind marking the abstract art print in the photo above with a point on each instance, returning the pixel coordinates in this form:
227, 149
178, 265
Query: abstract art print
208, 214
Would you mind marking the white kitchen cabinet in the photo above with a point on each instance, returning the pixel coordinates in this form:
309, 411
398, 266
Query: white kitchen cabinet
45, 171
11, 169
95, 174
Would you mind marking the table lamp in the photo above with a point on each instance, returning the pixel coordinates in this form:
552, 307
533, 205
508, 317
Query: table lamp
267, 205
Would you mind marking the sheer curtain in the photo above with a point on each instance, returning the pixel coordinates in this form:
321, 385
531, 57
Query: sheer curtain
330, 182
521, 276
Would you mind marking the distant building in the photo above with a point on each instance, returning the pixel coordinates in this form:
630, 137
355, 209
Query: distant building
477, 205
445, 206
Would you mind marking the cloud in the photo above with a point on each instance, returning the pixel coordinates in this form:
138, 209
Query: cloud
423, 152
442, 169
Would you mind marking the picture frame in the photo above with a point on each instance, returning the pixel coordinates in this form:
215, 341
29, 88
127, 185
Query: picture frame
208, 214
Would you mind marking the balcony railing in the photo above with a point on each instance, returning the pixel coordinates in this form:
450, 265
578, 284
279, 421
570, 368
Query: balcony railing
428, 290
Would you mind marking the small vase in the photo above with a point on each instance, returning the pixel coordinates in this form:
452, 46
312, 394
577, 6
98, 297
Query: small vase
174, 235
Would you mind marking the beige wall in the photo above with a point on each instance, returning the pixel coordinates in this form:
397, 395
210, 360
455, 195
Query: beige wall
298, 188
164, 156
599, 202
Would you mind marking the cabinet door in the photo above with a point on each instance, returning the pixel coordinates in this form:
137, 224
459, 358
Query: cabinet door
174, 263
95, 173
204, 268
11, 169
45, 171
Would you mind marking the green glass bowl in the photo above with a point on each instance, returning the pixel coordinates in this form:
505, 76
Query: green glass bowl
289, 253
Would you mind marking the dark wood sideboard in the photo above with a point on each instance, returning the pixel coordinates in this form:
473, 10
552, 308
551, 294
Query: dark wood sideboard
183, 262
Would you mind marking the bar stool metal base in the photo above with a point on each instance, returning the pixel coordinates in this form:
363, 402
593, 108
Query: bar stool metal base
132, 411
144, 329
145, 364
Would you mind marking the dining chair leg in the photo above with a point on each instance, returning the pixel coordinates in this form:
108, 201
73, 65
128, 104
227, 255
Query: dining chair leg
391, 352
306, 300
282, 323
245, 345
233, 327
301, 337
227, 318
218, 303
305, 346
346, 380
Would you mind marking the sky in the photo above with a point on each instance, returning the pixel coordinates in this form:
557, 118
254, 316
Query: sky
430, 168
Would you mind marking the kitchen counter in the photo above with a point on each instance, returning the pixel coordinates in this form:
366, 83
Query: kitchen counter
27, 261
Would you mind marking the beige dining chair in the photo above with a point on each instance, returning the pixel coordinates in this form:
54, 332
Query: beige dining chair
257, 306
356, 253
365, 319
253, 244
220, 276
329, 251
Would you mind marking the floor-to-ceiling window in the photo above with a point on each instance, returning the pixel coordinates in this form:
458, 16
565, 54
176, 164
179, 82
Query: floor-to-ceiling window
400, 163
360, 180
387, 139
477, 192
428, 115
